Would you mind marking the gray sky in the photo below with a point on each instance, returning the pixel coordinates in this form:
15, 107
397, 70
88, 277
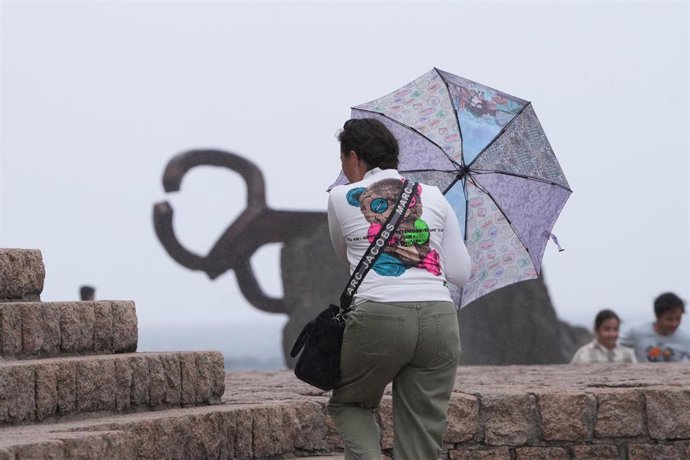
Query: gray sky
97, 96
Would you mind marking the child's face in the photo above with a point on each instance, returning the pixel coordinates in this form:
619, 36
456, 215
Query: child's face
607, 333
668, 322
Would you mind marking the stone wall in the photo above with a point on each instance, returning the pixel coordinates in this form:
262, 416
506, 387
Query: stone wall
617, 411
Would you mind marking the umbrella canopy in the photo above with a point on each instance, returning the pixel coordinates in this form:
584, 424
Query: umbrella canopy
488, 153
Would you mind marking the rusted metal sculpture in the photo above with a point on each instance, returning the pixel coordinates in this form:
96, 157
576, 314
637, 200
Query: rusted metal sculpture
257, 225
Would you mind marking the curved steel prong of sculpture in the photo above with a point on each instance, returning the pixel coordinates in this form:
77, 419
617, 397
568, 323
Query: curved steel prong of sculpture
256, 225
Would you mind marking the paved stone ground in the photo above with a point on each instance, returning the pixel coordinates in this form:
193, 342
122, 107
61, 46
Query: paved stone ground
255, 387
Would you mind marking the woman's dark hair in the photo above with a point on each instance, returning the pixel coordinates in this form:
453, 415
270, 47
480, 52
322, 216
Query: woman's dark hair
371, 140
666, 302
602, 316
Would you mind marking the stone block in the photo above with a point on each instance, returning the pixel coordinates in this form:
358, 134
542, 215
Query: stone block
226, 425
17, 393
595, 452
620, 414
125, 329
11, 329
173, 383
189, 376
509, 418
86, 322
216, 374
384, 417
66, 387
144, 435
103, 327
267, 424
69, 328
95, 447
463, 418
46, 390
202, 385
313, 431
497, 453
670, 451
208, 437
123, 383
243, 434
119, 445
169, 441
22, 274
50, 449
157, 387
541, 453
668, 413
50, 323
96, 385
566, 416
291, 427
31, 329
141, 380
218, 437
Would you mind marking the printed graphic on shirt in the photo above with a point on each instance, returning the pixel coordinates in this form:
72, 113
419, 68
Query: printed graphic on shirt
659, 353
409, 246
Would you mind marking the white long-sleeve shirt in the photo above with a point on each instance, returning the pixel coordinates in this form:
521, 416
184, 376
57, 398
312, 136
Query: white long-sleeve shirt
594, 352
426, 252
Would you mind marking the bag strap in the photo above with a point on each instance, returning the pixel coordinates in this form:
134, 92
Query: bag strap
375, 249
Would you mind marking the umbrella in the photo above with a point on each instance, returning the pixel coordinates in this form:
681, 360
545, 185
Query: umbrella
488, 153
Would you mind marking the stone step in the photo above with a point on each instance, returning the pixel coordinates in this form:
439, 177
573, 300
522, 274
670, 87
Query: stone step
604, 411
228, 431
42, 329
22, 274
37, 390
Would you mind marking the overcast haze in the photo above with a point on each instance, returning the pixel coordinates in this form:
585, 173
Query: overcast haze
98, 96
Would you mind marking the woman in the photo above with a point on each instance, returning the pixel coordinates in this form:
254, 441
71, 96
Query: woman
404, 326
604, 348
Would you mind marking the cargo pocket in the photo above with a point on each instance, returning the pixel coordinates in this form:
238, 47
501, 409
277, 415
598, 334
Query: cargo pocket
448, 335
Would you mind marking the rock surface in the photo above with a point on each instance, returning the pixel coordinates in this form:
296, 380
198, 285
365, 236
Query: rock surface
21, 275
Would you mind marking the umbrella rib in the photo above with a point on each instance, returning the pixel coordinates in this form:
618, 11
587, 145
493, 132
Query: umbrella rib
450, 171
411, 129
457, 117
522, 176
500, 133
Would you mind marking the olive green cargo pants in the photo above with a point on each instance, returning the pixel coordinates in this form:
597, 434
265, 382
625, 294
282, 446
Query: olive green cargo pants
416, 346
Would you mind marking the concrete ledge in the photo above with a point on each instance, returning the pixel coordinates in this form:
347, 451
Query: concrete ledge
21, 274
42, 329
514, 412
36, 390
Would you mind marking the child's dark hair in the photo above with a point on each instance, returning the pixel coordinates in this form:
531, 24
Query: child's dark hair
602, 316
666, 302
371, 140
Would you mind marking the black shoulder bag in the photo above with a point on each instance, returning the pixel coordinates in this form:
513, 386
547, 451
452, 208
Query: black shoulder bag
321, 339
